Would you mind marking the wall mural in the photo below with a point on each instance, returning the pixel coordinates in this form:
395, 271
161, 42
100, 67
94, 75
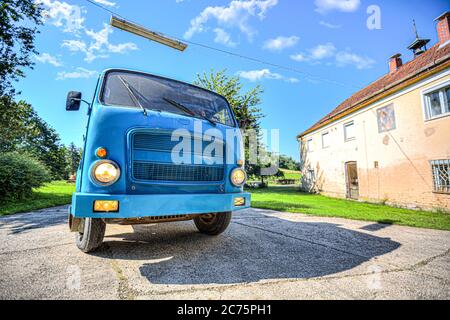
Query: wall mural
386, 119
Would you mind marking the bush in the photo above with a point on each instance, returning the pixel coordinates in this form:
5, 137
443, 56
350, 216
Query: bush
256, 185
19, 174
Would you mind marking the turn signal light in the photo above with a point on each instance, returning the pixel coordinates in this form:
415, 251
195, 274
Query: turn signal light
101, 153
239, 202
106, 206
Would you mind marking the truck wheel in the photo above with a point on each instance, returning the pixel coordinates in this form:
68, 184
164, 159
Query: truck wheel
91, 238
214, 223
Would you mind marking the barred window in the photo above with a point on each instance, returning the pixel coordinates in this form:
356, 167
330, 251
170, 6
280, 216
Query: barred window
312, 176
441, 175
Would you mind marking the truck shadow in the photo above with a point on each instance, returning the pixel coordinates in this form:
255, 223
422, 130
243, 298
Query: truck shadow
253, 248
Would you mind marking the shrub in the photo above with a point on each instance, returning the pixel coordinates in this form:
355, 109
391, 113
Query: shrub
19, 174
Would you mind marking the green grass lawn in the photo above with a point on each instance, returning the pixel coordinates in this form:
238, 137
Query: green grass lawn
53, 194
289, 199
291, 175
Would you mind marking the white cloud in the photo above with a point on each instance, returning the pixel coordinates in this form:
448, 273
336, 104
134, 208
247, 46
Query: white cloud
106, 3
74, 45
330, 25
99, 38
122, 48
345, 58
47, 58
224, 38
292, 80
281, 43
236, 14
79, 73
320, 52
258, 75
329, 51
300, 57
324, 6
99, 46
69, 18
62, 15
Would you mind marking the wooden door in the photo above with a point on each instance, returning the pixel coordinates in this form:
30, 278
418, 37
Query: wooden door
351, 169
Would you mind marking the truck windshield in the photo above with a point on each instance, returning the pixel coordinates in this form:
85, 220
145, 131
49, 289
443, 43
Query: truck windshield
138, 90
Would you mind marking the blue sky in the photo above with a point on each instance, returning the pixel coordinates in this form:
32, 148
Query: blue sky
328, 40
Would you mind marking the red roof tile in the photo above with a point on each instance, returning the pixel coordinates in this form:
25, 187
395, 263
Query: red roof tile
432, 58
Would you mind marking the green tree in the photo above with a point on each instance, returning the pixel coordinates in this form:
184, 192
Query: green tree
44, 143
22, 130
73, 158
244, 104
17, 40
15, 123
289, 163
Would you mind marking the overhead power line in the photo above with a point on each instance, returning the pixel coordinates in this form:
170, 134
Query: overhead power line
307, 75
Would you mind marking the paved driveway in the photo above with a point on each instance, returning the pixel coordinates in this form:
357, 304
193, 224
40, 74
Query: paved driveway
263, 255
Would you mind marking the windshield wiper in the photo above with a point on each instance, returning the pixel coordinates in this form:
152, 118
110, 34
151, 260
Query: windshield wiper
188, 111
132, 95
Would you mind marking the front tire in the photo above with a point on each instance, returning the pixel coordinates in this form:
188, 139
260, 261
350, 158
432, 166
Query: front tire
91, 238
214, 223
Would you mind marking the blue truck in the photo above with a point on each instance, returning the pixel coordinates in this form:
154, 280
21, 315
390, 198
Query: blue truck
156, 150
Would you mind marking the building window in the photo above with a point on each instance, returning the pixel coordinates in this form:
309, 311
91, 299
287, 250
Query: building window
437, 102
386, 119
349, 131
311, 176
441, 175
325, 140
309, 145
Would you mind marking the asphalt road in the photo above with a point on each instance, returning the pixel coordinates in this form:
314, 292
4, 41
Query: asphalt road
263, 255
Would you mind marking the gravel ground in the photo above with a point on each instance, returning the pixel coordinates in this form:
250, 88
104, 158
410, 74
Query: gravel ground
263, 255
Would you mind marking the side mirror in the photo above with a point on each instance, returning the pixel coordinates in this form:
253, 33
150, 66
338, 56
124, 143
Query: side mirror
73, 101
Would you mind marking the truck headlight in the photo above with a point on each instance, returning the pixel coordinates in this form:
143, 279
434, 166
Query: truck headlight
105, 172
238, 177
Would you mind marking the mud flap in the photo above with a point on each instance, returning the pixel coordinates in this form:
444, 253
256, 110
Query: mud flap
75, 224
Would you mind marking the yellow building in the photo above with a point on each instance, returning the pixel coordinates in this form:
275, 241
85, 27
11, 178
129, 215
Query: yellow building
389, 142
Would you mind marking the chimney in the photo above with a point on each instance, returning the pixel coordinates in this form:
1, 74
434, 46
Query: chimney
443, 27
395, 63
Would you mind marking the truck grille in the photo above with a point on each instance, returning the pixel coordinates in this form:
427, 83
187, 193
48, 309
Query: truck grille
170, 172
151, 161
158, 141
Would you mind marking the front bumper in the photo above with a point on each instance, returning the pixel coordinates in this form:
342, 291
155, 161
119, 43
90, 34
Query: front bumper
141, 206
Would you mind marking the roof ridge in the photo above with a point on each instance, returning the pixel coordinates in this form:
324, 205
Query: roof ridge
433, 57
